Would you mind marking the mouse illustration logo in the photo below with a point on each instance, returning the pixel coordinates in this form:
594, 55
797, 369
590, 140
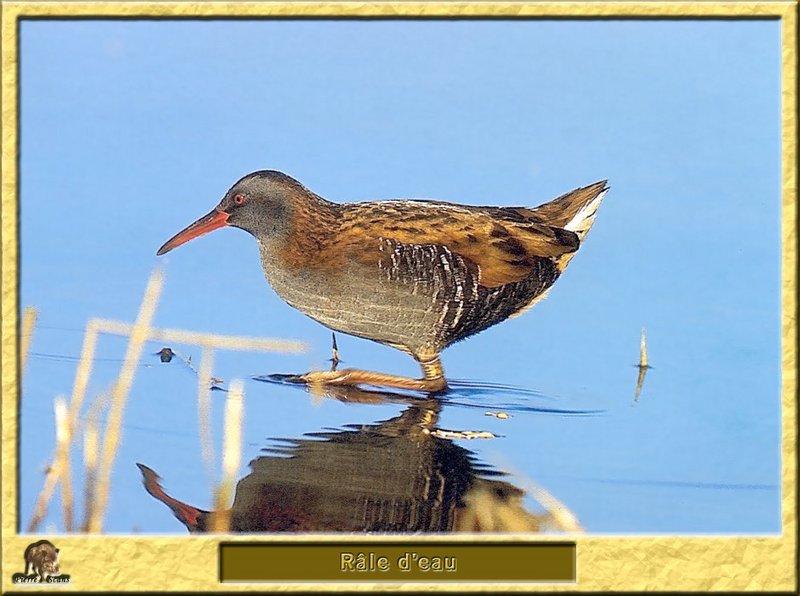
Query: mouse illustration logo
41, 565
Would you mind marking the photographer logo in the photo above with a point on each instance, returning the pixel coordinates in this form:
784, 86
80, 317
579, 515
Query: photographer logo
41, 565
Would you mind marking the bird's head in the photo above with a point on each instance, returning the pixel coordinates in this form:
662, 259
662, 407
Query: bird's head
259, 203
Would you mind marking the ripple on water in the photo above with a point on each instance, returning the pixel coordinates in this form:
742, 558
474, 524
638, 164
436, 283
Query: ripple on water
461, 393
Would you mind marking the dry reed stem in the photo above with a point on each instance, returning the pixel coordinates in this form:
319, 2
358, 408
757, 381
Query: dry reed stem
61, 455
91, 450
485, 511
139, 334
43, 500
559, 513
63, 438
98, 475
231, 456
29, 317
90, 456
84, 371
643, 351
220, 342
50, 481
82, 375
204, 374
643, 366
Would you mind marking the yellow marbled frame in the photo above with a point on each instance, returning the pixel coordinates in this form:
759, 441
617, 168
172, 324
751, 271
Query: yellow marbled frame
126, 563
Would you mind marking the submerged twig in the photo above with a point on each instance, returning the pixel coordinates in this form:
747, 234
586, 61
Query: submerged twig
642, 366
460, 434
500, 415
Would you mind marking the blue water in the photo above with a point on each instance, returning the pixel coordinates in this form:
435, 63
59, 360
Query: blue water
131, 130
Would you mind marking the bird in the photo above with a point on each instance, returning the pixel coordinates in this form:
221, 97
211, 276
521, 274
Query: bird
414, 274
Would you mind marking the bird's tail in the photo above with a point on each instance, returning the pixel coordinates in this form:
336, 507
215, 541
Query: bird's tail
575, 210
582, 221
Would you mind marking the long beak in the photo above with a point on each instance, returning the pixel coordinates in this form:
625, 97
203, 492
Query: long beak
208, 223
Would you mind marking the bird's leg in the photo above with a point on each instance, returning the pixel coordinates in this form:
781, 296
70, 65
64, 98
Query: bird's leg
433, 370
433, 378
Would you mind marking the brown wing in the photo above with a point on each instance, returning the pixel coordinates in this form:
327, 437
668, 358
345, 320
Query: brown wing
501, 249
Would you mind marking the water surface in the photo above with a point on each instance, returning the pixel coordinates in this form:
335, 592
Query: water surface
132, 129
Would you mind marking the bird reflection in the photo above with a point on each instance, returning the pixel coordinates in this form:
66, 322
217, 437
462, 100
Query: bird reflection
390, 476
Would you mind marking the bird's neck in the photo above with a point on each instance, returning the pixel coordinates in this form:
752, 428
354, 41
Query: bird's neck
312, 214
313, 222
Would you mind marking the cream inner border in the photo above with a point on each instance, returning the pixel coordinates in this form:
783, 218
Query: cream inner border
128, 563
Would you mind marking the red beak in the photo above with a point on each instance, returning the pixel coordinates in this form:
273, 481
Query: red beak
208, 223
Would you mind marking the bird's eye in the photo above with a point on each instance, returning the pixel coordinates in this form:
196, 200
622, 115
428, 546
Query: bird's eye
238, 199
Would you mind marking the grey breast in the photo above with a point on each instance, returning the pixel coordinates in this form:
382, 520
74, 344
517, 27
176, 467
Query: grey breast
409, 302
420, 299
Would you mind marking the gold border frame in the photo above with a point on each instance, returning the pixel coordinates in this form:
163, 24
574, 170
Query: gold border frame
604, 562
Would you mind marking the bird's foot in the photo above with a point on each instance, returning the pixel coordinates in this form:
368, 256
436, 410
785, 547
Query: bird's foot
353, 376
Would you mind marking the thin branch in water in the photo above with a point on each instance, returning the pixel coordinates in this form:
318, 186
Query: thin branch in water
642, 366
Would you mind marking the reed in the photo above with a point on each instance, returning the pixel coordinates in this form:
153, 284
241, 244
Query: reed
29, 317
100, 450
560, 514
231, 457
62, 452
63, 438
643, 367
204, 375
54, 470
643, 351
91, 456
220, 342
111, 436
